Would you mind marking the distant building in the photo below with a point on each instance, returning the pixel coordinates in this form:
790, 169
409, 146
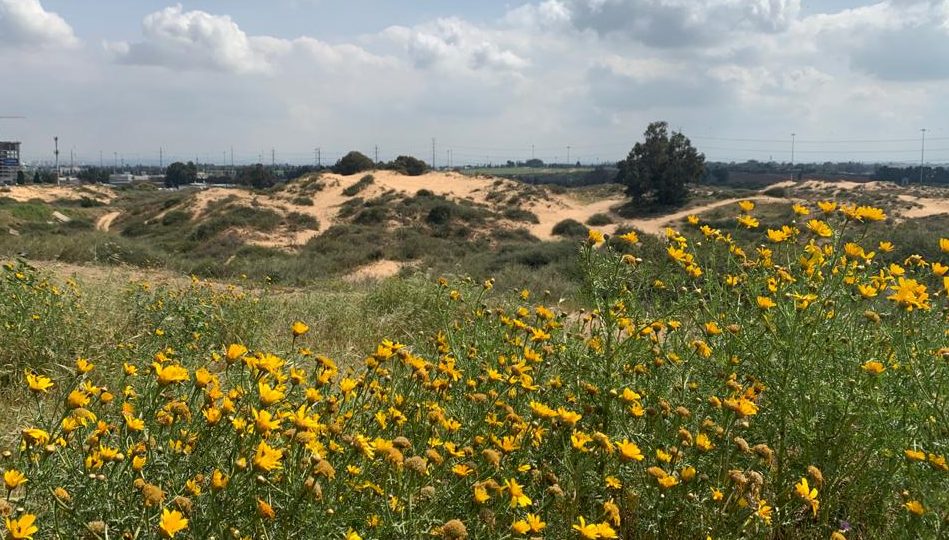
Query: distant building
9, 162
127, 178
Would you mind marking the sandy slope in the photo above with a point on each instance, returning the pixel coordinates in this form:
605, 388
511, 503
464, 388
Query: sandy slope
105, 222
51, 193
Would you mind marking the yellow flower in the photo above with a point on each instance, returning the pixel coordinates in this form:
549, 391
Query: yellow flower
579, 440
703, 443
13, 479
633, 238
692, 219
820, 228
629, 451
518, 498
885, 246
299, 328
800, 210
133, 423
603, 530
481, 494
267, 458
76, 399
588, 531
264, 421
764, 511
717, 494
594, 237
765, 302
827, 206
940, 269
172, 522
535, 523
746, 206
520, 527
668, 481
234, 352
83, 365
944, 245
22, 528
352, 535
915, 507
38, 383
462, 470
807, 493
909, 294
219, 480
873, 367
169, 374
268, 394
914, 455
748, 222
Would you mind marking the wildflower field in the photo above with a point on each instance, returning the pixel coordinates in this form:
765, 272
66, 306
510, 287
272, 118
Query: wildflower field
792, 386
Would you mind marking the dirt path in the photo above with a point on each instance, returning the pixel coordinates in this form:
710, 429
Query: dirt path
105, 222
374, 271
659, 224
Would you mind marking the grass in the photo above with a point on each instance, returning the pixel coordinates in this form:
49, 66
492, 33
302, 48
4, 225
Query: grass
689, 389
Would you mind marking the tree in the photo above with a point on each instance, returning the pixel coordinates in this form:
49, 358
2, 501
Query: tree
353, 163
94, 175
409, 165
661, 166
179, 174
256, 176
20, 178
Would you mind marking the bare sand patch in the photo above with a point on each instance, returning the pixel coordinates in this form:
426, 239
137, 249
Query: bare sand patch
50, 193
375, 271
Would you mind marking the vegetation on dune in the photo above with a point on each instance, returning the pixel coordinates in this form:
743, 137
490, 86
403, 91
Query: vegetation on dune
790, 386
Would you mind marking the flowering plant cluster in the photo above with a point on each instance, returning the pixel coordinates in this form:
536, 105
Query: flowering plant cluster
796, 388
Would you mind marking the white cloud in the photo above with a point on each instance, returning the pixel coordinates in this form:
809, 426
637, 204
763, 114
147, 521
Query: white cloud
198, 40
682, 23
24, 23
453, 44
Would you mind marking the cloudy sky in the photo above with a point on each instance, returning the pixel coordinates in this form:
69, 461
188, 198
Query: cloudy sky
488, 79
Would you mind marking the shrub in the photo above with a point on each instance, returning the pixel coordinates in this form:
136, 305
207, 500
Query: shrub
598, 220
409, 165
519, 214
353, 163
569, 228
360, 185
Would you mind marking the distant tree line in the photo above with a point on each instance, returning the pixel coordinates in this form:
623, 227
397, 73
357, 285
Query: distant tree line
930, 175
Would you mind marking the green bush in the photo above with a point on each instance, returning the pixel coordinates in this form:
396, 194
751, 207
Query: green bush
570, 228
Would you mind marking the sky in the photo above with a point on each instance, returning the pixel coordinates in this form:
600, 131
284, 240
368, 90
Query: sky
489, 81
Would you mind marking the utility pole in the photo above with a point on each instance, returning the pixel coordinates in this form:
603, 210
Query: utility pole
101, 164
793, 138
376, 149
922, 154
56, 153
568, 154
532, 152
161, 158
433, 153
115, 162
232, 157
273, 158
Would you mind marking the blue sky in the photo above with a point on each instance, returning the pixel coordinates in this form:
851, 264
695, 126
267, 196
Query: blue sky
488, 80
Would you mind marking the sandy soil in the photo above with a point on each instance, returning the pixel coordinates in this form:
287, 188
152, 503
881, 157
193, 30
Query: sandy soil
924, 207
51, 193
374, 271
105, 222
327, 202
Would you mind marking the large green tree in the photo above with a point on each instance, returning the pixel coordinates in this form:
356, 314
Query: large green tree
180, 174
659, 168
